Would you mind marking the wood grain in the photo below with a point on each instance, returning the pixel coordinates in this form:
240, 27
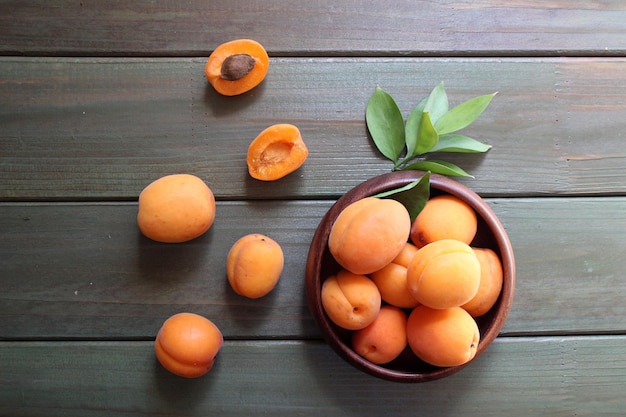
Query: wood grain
322, 28
103, 128
580, 376
83, 271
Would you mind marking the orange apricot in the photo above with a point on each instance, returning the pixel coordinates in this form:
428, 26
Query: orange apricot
443, 274
351, 301
187, 344
254, 265
391, 280
442, 337
276, 152
444, 217
491, 276
176, 208
385, 338
368, 234
237, 66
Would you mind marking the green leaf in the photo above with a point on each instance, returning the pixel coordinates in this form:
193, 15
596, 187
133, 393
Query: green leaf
438, 167
413, 195
437, 103
427, 137
412, 128
462, 115
385, 124
459, 143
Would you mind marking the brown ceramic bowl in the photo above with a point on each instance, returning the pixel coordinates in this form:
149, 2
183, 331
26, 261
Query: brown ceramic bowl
320, 265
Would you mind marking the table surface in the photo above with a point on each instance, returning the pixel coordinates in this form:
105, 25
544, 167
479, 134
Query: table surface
99, 98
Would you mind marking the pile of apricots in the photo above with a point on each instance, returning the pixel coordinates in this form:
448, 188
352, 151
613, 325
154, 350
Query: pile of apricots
416, 284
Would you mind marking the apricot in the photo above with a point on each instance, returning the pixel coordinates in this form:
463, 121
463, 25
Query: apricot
391, 280
385, 338
368, 234
187, 344
276, 152
176, 208
443, 274
237, 66
444, 217
491, 276
350, 300
442, 337
254, 265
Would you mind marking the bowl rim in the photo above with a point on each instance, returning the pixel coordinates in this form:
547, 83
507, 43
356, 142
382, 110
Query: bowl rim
388, 181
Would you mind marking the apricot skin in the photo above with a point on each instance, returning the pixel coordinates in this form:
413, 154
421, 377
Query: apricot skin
175, 208
491, 278
443, 274
385, 338
254, 265
351, 301
444, 217
368, 234
442, 337
187, 345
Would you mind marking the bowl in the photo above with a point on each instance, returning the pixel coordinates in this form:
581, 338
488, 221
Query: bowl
321, 264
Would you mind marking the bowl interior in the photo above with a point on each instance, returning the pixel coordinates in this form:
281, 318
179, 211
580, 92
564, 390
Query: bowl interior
321, 264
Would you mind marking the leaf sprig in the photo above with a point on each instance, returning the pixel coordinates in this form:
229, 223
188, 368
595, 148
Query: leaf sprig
431, 127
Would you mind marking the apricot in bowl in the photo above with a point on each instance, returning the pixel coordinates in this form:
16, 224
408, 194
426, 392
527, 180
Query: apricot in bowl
321, 264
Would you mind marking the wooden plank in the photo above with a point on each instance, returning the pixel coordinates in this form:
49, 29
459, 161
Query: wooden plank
84, 271
100, 128
582, 376
289, 27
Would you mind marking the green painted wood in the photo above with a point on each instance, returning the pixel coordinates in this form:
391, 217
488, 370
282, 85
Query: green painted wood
103, 128
83, 271
582, 376
289, 27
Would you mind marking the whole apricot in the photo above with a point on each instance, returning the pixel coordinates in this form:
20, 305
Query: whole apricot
391, 280
443, 274
442, 337
491, 277
444, 217
187, 344
368, 234
254, 265
352, 301
385, 338
175, 208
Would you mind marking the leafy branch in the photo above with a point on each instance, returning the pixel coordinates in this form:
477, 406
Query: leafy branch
430, 127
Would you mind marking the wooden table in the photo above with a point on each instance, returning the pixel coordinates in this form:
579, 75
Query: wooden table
98, 98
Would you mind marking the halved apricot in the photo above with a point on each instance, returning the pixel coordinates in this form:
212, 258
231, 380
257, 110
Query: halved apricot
275, 152
237, 66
